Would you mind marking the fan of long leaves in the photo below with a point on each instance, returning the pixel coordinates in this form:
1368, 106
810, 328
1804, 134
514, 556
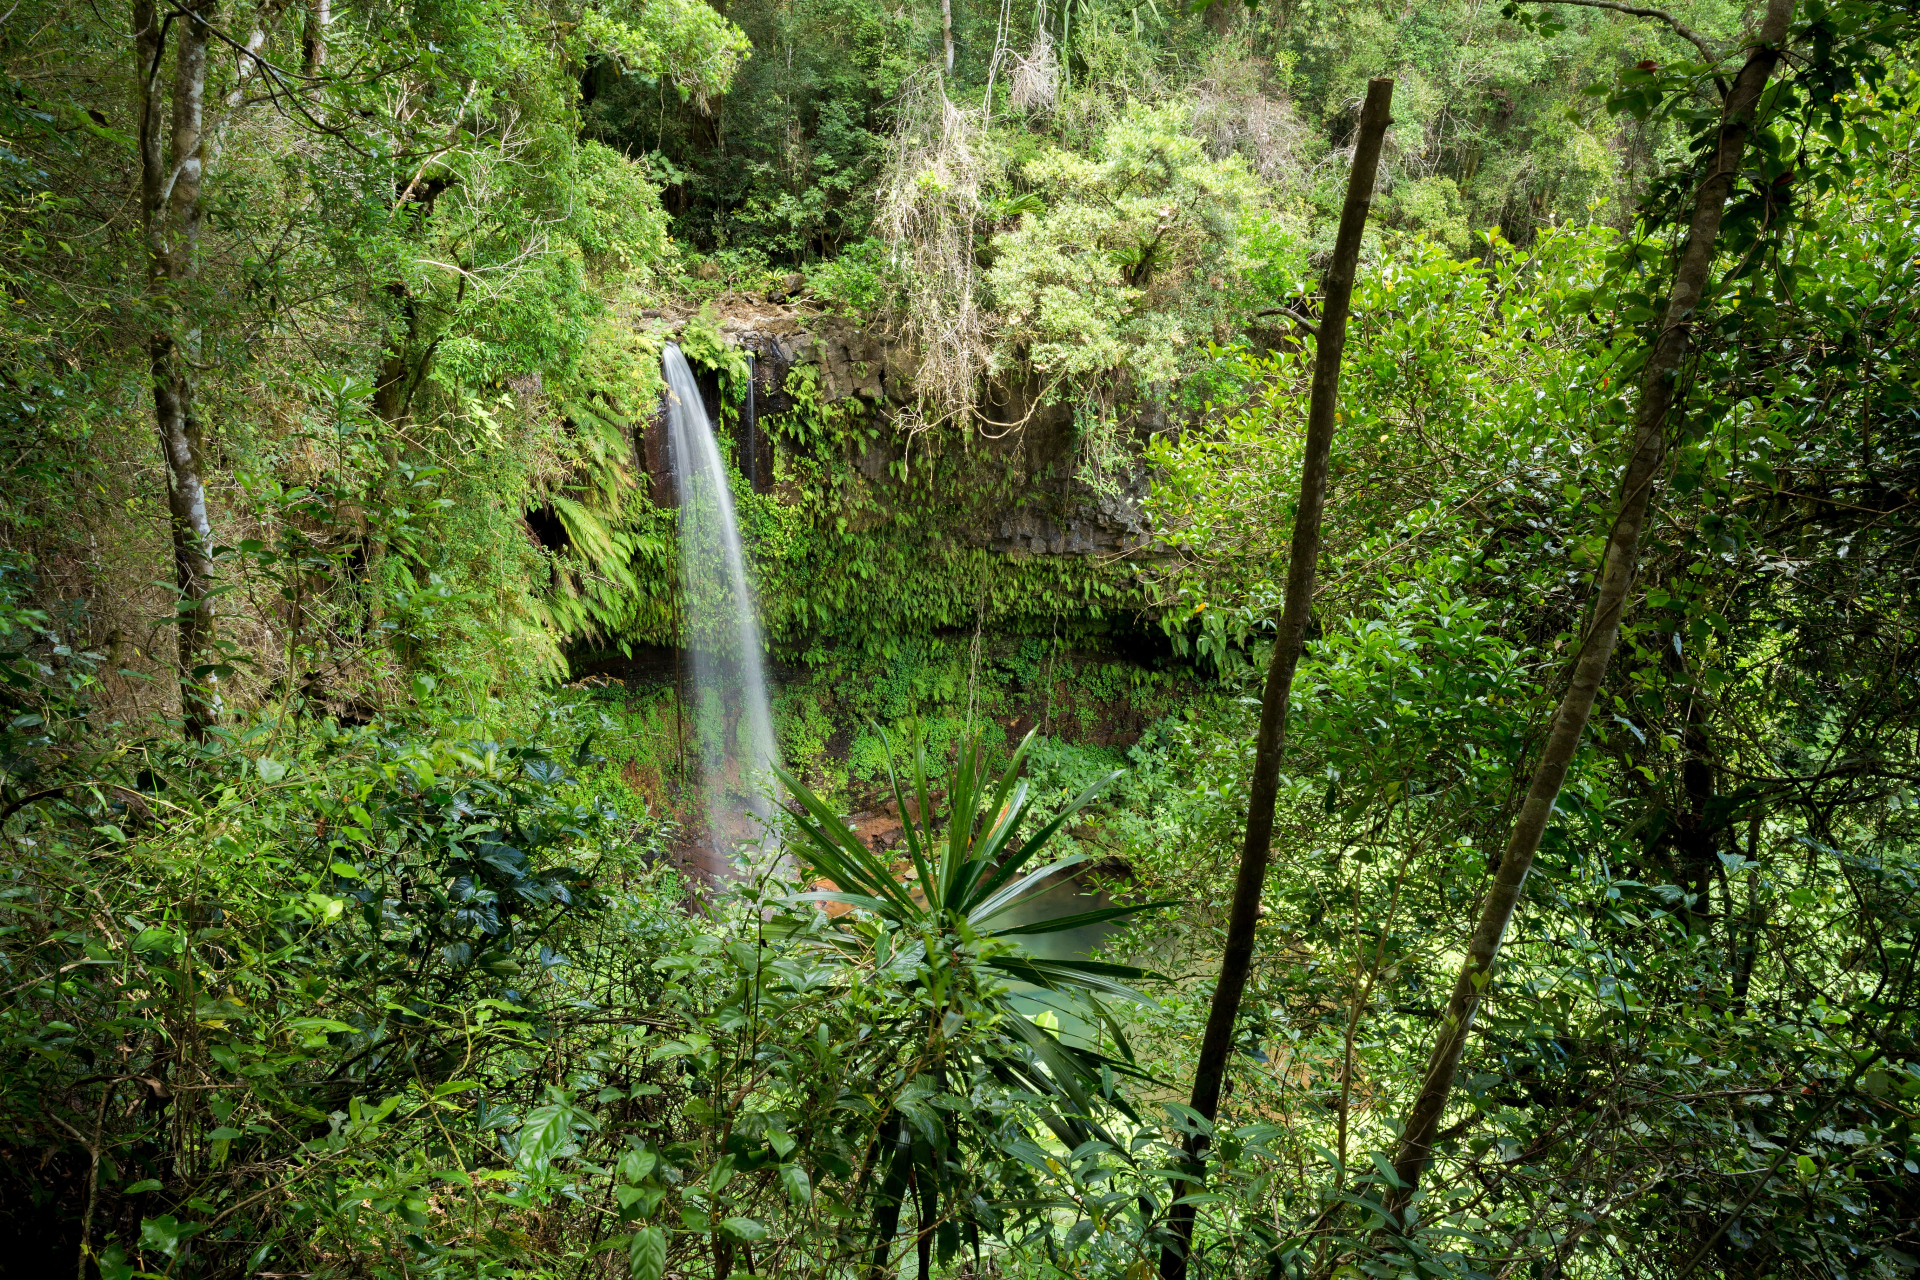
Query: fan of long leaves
966, 878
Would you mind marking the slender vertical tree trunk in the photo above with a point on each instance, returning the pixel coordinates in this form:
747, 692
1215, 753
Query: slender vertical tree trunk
396, 371
93, 1182
401, 368
946, 31
171, 212
1744, 934
313, 40
1066, 46
927, 1197
1304, 555
1657, 397
893, 1189
1696, 839
1746, 947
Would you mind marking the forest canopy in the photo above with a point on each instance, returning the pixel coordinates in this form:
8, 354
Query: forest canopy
1339, 585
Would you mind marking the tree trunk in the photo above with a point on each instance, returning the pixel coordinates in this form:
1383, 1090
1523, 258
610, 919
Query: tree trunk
392, 386
893, 1189
171, 214
1657, 396
313, 41
946, 31
927, 1197
1746, 937
1304, 555
404, 362
1696, 838
401, 368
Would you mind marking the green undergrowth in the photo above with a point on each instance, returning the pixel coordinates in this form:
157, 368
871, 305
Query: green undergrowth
417, 998
835, 720
840, 559
1089, 709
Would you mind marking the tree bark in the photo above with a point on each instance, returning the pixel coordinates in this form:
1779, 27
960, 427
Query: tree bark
1746, 934
1303, 561
927, 1197
1696, 839
946, 31
1589, 667
313, 41
893, 1189
392, 385
171, 214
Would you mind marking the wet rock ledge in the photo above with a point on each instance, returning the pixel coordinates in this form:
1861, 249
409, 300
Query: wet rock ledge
1039, 505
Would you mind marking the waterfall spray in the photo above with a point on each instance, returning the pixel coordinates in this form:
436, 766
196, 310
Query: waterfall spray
733, 725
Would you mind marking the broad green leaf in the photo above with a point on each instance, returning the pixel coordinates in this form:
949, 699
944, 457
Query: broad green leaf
165, 1233
545, 1131
647, 1255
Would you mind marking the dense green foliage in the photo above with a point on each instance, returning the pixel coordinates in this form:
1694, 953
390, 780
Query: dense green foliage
398, 969
784, 170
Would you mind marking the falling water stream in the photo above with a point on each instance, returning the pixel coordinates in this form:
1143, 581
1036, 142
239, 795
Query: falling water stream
732, 723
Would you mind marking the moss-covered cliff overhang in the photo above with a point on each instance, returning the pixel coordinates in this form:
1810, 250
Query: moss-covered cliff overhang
865, 525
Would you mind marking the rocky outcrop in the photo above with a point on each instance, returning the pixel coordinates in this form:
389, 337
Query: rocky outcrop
1041, 505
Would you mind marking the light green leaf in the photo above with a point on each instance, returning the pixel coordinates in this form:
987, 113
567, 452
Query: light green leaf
647, 1255
546, 1130
164, 1233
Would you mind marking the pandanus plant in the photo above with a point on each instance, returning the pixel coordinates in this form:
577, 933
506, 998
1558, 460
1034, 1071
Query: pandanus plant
949, 926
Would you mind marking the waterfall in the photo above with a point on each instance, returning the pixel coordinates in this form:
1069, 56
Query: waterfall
732, 723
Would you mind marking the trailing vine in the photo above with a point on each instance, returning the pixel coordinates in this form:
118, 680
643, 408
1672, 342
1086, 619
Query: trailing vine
841, 556
870, 557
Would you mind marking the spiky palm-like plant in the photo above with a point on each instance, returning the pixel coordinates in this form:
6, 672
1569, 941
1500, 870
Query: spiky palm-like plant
948, 928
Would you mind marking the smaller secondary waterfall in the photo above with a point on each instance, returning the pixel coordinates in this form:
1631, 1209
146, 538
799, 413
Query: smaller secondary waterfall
732, 722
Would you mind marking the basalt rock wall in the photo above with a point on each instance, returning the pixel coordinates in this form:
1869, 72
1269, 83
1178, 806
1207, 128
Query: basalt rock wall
1029, 451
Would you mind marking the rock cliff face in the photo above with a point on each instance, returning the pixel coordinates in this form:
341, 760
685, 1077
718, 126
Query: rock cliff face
1030, 452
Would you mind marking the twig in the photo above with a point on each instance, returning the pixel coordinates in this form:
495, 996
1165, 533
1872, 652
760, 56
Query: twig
1294, 316
93, 1179
34, 796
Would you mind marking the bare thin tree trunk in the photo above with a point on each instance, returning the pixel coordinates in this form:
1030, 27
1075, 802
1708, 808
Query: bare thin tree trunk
1746, 938
927, 1197
93, 1181
893, 1189
1657, 396
313, 41
946, 31
171, 212
1263, 793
